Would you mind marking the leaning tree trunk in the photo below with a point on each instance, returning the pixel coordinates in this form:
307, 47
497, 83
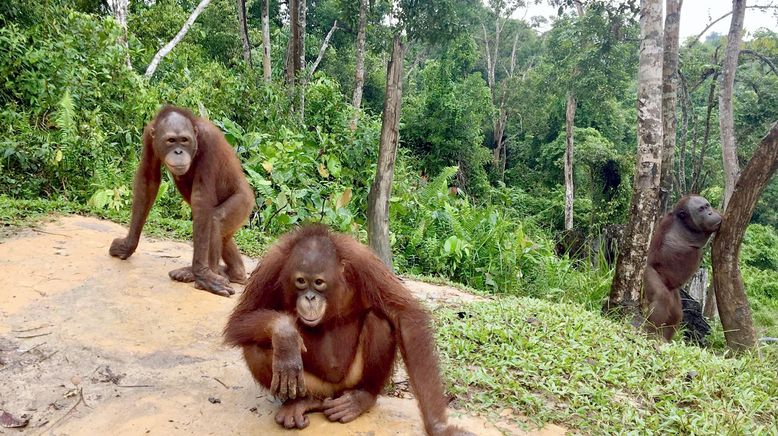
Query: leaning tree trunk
359, 77
669, 90
627, 283
119, 11
726, 112
569, 125
730, 293
244, 31
266, 40
176, 39
381, 189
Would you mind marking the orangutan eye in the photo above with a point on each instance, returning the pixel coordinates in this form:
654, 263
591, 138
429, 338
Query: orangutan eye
319, 282
300, 281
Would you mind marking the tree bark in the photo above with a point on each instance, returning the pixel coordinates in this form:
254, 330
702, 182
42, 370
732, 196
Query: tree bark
359, 77
266, 40
119, 11
244, 31
381, 189
569, 126
176, 39
726, 112
669, 91
731, 298
627, 283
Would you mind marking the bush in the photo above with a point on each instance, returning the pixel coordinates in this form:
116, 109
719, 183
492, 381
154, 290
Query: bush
71, 107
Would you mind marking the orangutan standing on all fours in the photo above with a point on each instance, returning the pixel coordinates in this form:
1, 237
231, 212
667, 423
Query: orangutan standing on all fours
209, 176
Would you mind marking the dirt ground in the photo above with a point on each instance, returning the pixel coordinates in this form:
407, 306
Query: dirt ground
93, 345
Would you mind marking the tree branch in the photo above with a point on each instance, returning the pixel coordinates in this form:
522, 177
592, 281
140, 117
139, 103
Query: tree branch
323, 48
173, 42
713, 23
762, 58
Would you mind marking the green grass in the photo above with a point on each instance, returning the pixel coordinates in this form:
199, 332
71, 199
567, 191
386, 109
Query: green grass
561, 363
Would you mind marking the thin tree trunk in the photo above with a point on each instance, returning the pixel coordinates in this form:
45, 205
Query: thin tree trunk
293, 47
322, 49
569, 126
303, 13
628, 280
733, 306
698, 165
491, 63
173, 42
266, 40
669, 90
359, 78
244, 31
685, 104
119, 11
381, 189
726, 112
579, 8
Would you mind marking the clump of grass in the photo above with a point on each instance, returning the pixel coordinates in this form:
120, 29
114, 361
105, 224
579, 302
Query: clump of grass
561, 363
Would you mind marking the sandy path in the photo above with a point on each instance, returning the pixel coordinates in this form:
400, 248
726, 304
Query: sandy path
92, 345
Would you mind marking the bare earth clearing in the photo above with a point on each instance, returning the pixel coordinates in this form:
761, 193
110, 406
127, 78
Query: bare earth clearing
94, 345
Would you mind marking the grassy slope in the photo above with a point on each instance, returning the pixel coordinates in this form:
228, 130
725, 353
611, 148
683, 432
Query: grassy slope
561, 363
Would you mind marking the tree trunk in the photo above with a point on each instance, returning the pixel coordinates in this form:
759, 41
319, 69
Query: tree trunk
628, 280
697, 286
709, 308
119, 11
569, 125
266, 40
579, 8
381, 189
697, 174
176, 39
293, 47
669, 90
726, 114
731, 298
303, 13
359, 78
244, 31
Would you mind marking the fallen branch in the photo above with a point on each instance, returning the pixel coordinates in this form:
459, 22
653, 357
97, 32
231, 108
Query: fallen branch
33, 336
72, 408
31, 329
221, 383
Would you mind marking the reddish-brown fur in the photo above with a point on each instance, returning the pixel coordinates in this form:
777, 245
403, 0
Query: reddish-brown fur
674, 255
345, 360
214, 186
